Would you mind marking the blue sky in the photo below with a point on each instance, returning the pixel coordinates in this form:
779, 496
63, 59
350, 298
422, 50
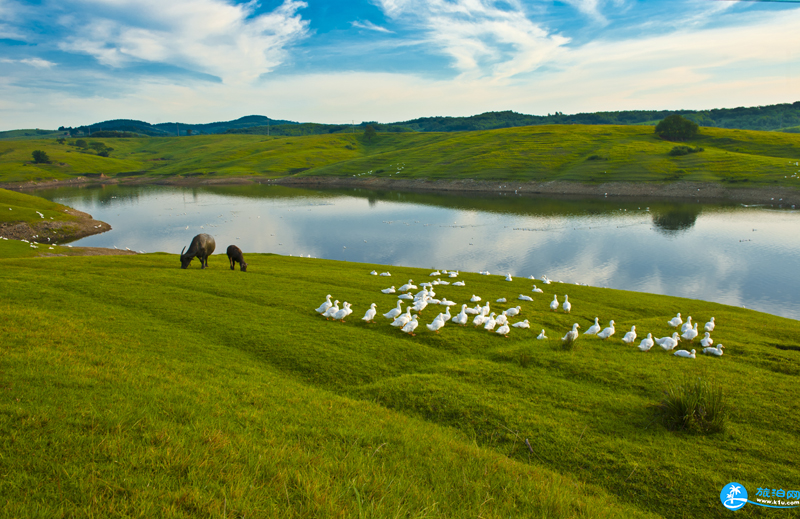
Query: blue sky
194, 61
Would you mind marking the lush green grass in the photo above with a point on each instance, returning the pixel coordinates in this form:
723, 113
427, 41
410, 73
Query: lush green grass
593, 154
20, 207
132, 387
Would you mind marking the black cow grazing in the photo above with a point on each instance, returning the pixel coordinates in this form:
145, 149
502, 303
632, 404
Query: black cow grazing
234, 255
202, 247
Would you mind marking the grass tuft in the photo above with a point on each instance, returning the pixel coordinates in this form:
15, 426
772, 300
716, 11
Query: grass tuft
698, 406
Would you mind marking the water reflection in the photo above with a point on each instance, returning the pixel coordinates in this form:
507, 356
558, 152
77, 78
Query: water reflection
718, 252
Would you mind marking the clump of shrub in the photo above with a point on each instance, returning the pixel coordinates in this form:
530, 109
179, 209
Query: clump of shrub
676, 128
595, 157
698, 407
684, 150
40, 157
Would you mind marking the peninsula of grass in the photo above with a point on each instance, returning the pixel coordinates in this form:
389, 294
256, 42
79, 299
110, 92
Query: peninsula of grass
130, 387
578, 153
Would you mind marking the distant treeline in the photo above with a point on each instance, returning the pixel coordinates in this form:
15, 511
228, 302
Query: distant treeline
781, 117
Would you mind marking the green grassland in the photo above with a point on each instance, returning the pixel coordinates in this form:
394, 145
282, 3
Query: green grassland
130, 387
576, 153
20, 207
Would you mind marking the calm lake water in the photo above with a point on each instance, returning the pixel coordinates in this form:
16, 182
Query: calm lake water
743, 256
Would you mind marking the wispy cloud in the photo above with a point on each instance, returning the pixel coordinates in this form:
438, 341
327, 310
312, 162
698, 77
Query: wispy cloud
34, 62
483, 37
209, 36
369, 26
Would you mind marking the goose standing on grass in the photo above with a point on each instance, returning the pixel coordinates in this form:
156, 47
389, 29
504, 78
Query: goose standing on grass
717, 352
541, 336
502, 318
710, 325
503, 330
687, 325
668, 343
437, 323
523, 297
453, 274
630, 336
411, 326
370, 315
407, 297
461, 317
571, 335
511, 312
537, 290
324, 306
435, 273
707, 341
394, 312
389, 290
420, 305
675, 321
567, 306
373, 273
474, 311
485, 310
607, 332
554, 304
490, 323
445, 302
691, 333
332, 310
342, 313
647, 343
522, 324
403, 318
595, 328
474, 298
508, 277
501, 300
479, 320
685, 354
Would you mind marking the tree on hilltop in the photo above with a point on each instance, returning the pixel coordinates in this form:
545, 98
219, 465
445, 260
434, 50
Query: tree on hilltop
676, 128
40, 157
369, 133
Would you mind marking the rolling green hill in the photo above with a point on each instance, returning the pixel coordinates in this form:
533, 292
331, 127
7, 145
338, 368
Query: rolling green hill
590, 154
130, 387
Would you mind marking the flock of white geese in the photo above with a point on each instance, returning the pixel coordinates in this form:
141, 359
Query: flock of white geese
483, 316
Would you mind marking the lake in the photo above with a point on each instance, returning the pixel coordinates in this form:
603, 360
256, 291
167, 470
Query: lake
723, 252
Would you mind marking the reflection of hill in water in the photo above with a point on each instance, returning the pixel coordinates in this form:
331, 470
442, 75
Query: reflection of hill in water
676, 220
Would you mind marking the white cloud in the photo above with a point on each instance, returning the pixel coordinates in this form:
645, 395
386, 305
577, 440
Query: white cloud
369, 26
34, 62
210, 36
483, 37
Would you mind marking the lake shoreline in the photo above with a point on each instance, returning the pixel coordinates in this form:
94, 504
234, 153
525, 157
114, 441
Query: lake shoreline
701, 191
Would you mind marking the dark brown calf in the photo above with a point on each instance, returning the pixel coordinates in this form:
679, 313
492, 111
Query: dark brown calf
234, 255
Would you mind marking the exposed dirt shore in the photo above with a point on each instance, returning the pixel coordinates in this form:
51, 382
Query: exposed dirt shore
51, 231
677, 190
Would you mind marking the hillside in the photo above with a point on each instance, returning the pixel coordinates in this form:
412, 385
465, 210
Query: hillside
134, 388
585, 154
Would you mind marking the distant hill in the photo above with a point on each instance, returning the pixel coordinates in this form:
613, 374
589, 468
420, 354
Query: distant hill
780, 117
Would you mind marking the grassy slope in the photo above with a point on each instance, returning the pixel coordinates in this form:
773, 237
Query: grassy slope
156, 392
627, 153
19, 207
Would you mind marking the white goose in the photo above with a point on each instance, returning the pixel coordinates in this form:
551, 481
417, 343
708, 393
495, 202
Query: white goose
453, 274
508, 277
403, 318
502, 318
373, 273
717, 352
687, 325
707, 341
408, 286
647, 343
485, 310
522, 324
394, 312
554, 304
567, 306
490, 323
437, 323
407, 297
685, 354
324, 306
461, 317
537, 290
332, 310
523, 297
541, 335
342, 313
410, 326
668, 343
474, 311
607, 332
691, 333
675, 321
420, 305
385, 274
370, 315
389, 290
459, 284
501, 300
445, 302
474, 298
435, 273
571, 335
710, 325
503, 330
593, 329
511, 312
479, 320
630, 336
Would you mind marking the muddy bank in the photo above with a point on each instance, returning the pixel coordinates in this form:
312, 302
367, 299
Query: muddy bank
52, 231
677, 190
90, 251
